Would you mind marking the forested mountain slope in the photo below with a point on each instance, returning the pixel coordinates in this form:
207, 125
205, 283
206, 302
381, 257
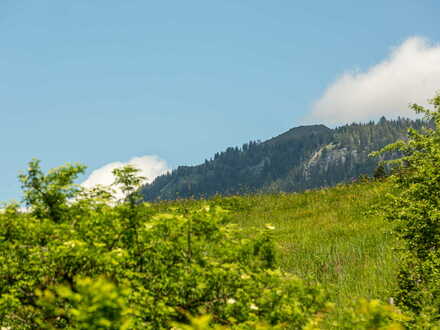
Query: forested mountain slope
302, 158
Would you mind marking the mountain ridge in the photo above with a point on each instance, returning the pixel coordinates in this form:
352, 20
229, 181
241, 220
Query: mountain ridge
304, 157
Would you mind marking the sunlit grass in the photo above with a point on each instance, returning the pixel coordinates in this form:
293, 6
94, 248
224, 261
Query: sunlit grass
334, 236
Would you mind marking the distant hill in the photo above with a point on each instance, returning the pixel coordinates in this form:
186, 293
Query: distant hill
304, 157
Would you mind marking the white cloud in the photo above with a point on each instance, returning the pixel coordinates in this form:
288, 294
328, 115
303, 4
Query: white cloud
150, 167
411, 74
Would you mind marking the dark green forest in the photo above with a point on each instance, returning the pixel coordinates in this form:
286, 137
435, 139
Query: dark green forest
304, 157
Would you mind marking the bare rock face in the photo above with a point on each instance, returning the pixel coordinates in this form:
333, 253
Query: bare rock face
331, 155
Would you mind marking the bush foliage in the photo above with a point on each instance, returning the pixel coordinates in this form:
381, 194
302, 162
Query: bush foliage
415, 210
81, 260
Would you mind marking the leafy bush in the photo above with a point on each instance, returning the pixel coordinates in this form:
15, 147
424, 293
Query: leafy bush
415, 208
92, 304
366, 314
76, 260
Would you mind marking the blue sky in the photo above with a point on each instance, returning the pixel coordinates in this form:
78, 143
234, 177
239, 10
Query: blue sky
105, 81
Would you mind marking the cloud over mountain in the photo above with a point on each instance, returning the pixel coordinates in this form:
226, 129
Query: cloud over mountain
150, 167
410, 74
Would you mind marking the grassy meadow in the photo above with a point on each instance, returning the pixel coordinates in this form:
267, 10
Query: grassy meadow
185, 256
335, 236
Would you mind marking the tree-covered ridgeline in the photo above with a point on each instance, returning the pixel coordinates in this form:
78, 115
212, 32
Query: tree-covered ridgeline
305, 157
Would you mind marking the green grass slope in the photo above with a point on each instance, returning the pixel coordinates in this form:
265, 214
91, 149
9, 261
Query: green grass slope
335, 236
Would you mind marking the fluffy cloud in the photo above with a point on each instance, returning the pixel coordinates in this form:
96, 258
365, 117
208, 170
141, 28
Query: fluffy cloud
411, 74
150, 167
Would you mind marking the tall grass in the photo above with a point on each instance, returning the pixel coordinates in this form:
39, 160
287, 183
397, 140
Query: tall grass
333, 236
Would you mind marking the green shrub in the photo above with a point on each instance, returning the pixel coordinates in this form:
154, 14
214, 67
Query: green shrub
127, 266
88, 304
415, 209
366, 314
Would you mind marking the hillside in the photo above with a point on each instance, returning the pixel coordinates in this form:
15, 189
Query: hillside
334, 236
302, 158
85, 261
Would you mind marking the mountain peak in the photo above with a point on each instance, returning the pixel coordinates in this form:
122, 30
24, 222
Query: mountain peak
299, 132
